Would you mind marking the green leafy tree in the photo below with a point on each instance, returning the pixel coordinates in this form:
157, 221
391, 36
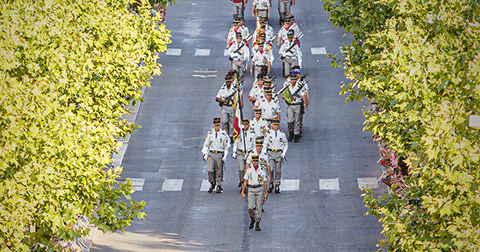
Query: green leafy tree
420, 61
67, 70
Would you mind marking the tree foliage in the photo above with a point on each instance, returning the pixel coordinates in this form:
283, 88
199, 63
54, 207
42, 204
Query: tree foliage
420, 61
67, 69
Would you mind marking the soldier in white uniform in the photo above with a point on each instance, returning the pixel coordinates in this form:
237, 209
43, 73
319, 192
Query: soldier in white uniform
267, 84
290, 53
256, 90
215, 150
259, 125
294, 97
237, 27
225, 98
239, 8
239, 54
276, 145
287, 26
242, 146
256, 181
260, 58
263, 27
270, 109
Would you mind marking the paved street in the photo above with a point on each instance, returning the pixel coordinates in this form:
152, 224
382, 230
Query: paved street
319, 207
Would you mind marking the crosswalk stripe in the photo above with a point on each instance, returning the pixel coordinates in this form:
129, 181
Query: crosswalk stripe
205, 185
290, 185
172, 185
371, 182
318, 50
202, 52
328, 184
137, 184
174, 51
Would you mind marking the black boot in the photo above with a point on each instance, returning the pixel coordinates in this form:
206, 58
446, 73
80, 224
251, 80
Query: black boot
296, 138
252, 222
277, 189
219, 189
290, 136
212, 185
257, 226
270, 189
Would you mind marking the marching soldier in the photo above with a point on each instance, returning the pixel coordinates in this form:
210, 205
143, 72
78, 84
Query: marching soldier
294, 95
267, 84
284, 9
290, 53
263, 27
270, 109
242, 146
215, 150
237, 26
276, 145
256, 90
305, 99
239, 8
255, 180
261, 58
259, 125
239, 55
261, 8
225, 97
287, 26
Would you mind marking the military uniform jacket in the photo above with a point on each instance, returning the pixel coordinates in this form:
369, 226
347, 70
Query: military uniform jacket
295, 52
261, 4
256, 177
225, 92
216, 141
249, 140
263, 160
239, 54
297, 91
261, 127
269, 34
282, 33
275, 140
267, 48
261, 58
232, 33
269, 109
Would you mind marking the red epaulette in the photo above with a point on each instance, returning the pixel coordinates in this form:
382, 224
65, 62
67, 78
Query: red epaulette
231, 43
298, 43
247, 44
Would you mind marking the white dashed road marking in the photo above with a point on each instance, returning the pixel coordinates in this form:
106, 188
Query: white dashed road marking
205, 185
290, 185
202, 52
137, 184
328, 184
173, 52
172, 185
371, 182
318, 50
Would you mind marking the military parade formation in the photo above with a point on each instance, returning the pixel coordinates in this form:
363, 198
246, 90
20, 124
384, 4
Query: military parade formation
259, 145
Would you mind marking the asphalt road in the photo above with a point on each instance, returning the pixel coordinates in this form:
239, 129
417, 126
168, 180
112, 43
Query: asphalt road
319, 208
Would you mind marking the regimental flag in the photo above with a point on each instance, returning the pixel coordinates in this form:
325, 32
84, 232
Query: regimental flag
287, 96
236, 123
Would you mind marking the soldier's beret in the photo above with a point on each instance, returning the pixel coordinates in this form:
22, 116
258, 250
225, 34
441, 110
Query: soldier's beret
245, 121
259, 142
257, 111
238, 34
275, 121
290, 33
216, 121
254, 157
268, 91
267, 82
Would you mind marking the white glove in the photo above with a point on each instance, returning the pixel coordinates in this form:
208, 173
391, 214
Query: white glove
234, 155
224, 158
282, 155
205, 157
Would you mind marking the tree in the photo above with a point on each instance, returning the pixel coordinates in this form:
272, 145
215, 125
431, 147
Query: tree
420, 61
67, 70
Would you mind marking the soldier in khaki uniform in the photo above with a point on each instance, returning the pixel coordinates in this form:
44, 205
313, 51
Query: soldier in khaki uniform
242, 146
256, 181
215, 150
276, 145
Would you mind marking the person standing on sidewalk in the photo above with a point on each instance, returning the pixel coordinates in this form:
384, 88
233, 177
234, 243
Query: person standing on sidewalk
215, 150
256, 181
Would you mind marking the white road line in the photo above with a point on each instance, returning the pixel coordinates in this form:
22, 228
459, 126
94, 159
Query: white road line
371, 182
172, 185
318, 50
328, 184
203, 76
174, 52
137, 184
205, 71
202, 52
205, 185
290, 185
119, 157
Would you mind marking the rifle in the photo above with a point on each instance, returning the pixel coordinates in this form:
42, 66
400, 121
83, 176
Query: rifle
238, 49
227, 98
294, 43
